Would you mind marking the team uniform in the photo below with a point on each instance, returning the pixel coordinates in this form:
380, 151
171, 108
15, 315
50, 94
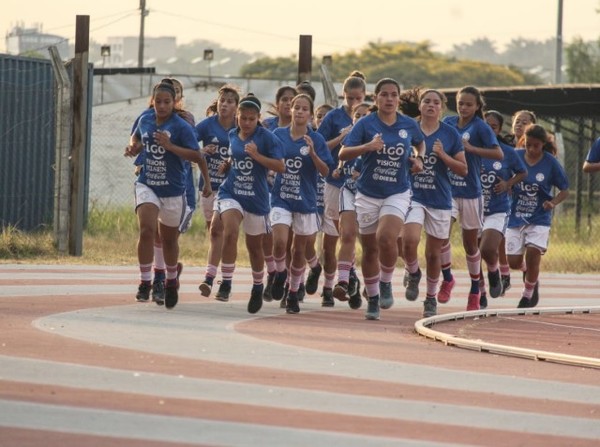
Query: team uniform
348, 189
331, 126
245, 188
383, 186
593, 155
271, 123
466, 191
210, 131
431, 202
294, 195
164, 176
496, 207
529, 223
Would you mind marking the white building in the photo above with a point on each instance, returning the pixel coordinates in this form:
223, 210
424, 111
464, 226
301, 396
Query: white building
124, 50
21, 40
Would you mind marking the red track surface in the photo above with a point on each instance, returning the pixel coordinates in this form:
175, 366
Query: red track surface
82, 364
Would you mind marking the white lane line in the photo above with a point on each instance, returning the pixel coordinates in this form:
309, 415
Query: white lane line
167, 386
207, 332
121, 424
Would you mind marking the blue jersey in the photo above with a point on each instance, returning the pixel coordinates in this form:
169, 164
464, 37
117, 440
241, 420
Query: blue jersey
271, 123
431, 187
331, 127
210, 131
349, 168
386, 171
479, 134
530, 194
593, 155
494, 170
296, 189
139, 160
163, 171
246, 181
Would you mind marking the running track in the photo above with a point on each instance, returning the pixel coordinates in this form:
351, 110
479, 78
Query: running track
82, 364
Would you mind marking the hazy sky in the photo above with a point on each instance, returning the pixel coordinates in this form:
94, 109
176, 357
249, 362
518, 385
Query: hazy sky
273, 26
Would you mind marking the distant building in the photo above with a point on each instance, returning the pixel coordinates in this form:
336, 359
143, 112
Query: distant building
21, 41
124, 50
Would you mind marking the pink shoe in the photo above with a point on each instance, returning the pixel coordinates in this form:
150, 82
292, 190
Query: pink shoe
445, 291
473, 301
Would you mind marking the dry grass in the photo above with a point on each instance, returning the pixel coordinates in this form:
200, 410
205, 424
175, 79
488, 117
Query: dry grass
111, 238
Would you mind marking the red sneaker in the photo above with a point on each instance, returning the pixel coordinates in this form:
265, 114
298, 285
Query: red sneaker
445, 291
473, 301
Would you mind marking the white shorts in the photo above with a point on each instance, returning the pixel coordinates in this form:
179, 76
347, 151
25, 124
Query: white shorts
347, 199
331, 199
253, 223
171, 210
470, 212
436, 222
369, 210
519, 238
208, 205
301, 224
497, 221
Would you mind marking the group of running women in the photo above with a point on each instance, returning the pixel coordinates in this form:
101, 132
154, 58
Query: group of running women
378, 172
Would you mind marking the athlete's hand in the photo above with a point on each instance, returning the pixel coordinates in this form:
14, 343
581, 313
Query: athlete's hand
209, 149
251, 149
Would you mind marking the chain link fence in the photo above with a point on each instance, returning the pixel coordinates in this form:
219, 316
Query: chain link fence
576, 223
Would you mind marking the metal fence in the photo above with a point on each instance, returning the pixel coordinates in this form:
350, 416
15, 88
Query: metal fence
26, 142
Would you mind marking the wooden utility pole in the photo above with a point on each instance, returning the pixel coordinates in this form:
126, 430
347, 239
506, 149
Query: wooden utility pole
80, 134
143, 14
305, 59
559, 45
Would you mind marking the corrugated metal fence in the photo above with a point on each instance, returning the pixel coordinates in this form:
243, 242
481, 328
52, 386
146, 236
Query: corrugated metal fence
27, 139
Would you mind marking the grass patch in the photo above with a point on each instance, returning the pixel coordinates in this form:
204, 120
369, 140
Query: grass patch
111, 238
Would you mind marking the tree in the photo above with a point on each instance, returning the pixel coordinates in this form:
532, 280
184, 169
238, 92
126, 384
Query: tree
409, 63
583, 61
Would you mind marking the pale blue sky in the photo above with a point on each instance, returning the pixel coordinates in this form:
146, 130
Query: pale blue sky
274, 26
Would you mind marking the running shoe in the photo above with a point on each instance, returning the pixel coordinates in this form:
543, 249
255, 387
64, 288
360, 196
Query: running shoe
412, 285
524, 303
224, 291
292, 306
206, 286
158, 292
327, 297
386, 299
256, 298
278, 288
301, 293
473, 301
355, 301
143, 293
445, 291
283, 301
535, 297
171, 294
495, 284
429, 307
312, 281
268, 293
483, 301
372, 308
340, 291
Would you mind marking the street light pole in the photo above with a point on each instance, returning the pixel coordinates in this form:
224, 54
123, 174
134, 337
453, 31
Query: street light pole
209, 55
104, 52
559, 45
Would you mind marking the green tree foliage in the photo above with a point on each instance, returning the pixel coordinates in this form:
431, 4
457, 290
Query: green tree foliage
583, 61
409, 63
